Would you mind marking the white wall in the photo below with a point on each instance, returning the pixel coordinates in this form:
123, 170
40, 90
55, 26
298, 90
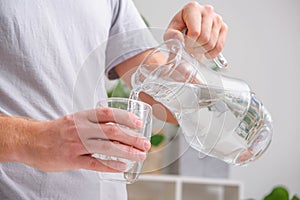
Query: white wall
263, 48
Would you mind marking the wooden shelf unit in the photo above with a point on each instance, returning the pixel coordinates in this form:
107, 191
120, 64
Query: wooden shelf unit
173, 187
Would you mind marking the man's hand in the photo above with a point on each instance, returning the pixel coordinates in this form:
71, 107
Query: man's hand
69, 142
206, 31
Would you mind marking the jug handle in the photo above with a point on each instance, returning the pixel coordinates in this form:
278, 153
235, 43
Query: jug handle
220, 62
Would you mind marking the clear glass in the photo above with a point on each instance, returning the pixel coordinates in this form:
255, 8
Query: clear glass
219, 115
144, 112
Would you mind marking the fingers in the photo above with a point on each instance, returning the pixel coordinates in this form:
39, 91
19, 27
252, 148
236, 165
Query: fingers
117, 133
119, 116
212, 38
113, 138
214, 52
205, 30
187, 18
115, 149
90, 163
203, 35
207, 40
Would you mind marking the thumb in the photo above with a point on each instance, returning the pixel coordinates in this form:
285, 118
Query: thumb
173, 34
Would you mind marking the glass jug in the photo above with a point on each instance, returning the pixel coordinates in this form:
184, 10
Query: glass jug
219, 115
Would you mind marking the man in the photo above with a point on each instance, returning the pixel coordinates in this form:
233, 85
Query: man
45, 146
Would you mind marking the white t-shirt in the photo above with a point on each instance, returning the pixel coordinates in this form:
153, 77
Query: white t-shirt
53, 57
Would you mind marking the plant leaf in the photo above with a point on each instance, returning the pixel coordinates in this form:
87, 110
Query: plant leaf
157, 139
120, 90
295, 197
278, 193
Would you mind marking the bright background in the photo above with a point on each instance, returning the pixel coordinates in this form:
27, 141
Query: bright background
263, 48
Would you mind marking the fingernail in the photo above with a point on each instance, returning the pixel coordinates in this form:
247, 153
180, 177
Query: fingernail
147, 145
139, 123
142, 156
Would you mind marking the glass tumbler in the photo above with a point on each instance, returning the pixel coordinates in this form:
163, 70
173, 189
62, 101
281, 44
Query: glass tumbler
144, 112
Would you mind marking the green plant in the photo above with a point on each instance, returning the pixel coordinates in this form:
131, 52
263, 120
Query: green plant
157, 139
119, 90
280, 193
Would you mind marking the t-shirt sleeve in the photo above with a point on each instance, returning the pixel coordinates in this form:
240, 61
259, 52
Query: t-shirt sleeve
128, 36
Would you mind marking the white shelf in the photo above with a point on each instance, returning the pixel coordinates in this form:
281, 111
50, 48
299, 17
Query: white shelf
173, 187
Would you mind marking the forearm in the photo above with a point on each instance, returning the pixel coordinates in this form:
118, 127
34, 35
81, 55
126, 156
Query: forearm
15, 134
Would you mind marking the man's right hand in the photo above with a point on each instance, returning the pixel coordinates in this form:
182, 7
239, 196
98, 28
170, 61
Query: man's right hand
69, 142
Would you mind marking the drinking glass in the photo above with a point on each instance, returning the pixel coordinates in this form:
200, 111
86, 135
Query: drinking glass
144, 112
